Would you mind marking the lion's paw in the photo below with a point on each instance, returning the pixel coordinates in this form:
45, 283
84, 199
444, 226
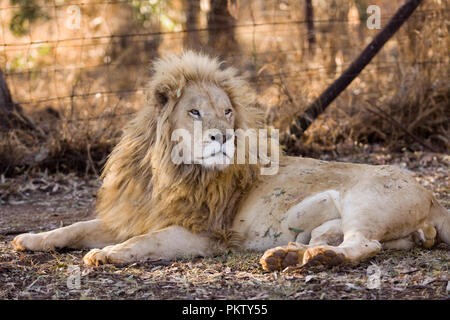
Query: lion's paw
31, 242
282, 257
322, 256
18, 243
95, 257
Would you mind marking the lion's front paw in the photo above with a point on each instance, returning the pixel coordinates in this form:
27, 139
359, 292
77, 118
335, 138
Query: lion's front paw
282, 257
111, 254
322, 255
30, 241
96, 257
18, 243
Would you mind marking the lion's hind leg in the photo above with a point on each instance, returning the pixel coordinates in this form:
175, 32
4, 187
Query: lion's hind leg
358, 246
85, 234
366, 223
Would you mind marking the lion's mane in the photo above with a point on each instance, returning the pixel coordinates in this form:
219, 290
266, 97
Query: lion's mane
143, 190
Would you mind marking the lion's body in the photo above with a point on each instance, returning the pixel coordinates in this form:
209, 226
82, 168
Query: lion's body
150, 207
307, 193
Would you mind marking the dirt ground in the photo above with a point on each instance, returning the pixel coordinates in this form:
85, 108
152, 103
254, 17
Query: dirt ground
37, 202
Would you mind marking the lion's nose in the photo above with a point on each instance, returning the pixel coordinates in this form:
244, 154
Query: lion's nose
218, 137
221, 138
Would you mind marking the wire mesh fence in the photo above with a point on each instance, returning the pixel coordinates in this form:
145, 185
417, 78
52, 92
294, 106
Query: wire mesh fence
42, 67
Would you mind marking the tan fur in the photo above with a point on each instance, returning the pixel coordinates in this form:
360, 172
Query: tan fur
143, 190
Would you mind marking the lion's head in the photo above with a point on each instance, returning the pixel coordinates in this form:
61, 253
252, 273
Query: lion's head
204, 119
144, 189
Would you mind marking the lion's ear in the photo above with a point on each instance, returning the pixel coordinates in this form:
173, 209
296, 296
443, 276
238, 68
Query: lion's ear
162, 97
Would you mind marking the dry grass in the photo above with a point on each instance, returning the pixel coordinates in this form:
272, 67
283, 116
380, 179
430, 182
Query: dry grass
411, 275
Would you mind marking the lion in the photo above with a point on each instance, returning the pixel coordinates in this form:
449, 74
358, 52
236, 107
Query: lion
151, 207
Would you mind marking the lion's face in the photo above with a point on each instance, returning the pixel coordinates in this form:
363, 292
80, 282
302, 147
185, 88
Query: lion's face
203, 121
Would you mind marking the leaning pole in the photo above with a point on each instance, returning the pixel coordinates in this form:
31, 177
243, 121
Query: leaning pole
303, 121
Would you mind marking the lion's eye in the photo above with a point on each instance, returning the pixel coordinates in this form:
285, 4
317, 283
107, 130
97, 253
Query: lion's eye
228, 111
194, 112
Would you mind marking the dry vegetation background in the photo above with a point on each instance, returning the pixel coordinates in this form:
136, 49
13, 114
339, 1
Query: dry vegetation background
79, 86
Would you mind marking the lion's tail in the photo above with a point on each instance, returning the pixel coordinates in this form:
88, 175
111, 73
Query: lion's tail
440, 220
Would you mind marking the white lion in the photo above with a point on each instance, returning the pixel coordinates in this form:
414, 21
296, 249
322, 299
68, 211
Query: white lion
151, 208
